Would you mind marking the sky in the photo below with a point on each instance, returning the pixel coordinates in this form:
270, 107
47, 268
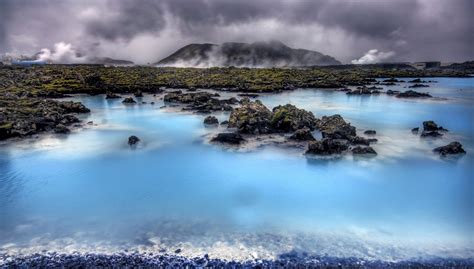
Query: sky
145, 31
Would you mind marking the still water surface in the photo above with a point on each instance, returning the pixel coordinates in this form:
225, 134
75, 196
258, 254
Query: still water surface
90, 192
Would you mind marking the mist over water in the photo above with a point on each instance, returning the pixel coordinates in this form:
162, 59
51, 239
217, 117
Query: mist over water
89, 192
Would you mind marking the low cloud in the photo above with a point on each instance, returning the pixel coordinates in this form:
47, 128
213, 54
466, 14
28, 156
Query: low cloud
374, 56
63, 53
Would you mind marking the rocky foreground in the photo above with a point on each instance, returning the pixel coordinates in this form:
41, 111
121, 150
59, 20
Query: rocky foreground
289, 260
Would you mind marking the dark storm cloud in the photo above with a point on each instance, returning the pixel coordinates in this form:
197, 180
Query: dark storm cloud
148, 29
125, 19
5, 12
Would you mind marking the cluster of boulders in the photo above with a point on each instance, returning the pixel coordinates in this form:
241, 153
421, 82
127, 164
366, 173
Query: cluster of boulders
364, 90
412, 94
338, 137
254, 118
203, 102
38, 115
430, 129
419, 85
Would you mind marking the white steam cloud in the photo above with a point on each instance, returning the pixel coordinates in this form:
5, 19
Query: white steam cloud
63, 53
374, 56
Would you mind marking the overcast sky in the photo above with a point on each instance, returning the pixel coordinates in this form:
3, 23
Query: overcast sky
148, 30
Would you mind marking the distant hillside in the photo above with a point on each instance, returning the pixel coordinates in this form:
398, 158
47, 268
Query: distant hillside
260, 54
109, 61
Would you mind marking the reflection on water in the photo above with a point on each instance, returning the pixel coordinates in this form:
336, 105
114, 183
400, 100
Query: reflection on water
90, 192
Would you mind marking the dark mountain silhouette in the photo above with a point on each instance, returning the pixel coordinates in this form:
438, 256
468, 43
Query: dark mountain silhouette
259, 54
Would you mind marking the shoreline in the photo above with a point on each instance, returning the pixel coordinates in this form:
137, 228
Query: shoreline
150, 260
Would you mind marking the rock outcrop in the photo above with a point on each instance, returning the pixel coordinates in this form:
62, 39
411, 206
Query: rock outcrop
228, 138
413, 94
211, 120
431, 129
129, 100
252, 117
40, 116
327, 147
199, 101
363, 151
335, 127
289, 118
450, 149
303, 134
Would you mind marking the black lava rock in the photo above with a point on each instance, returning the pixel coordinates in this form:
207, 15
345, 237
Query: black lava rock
451, 148
132, 140
327, 146
363, 150
303, 134
413, 94
228, 138
129, 100
370, 132
211, 120
111, 95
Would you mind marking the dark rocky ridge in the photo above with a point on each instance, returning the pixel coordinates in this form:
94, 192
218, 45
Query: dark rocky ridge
259, 54
21, 117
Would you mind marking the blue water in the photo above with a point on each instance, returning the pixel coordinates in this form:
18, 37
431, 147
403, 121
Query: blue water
90, 192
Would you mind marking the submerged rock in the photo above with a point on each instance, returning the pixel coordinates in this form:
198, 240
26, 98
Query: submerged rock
431, 134
111, 95
61, 129
370, 132
357, 140
363, 150
417, 80
200, 101
418, 86
211, 120
364, 91
129, 100
327, 146
138, 94
450, 149
415, 130
412, 94
392, 80
392, 92
228, 138
303, 134
132, 140
251, 118
289, 118
251, 95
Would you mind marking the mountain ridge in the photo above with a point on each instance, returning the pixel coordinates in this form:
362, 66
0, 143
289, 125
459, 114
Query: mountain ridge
257, 54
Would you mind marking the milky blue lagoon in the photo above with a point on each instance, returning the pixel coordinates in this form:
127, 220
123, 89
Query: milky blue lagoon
90, 192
